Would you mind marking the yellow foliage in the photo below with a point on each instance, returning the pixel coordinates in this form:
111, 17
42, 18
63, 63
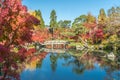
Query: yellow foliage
34, 14
113, 38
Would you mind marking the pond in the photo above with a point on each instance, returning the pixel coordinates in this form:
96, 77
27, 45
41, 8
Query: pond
65, 66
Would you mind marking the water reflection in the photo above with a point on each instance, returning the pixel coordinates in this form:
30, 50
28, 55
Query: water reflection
53, 59
34, 61
67, 66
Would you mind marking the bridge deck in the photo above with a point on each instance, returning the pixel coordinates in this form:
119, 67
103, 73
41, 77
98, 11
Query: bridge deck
55, 44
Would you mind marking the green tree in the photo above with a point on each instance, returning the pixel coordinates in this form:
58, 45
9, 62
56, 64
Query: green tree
53, 19
38, 14
79, 20
60, 23
102, 19
114, 20
64, 24
78, 26
90, 18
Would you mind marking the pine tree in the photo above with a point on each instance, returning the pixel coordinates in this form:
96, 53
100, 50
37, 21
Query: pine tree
53, 19
102, 19
38, 14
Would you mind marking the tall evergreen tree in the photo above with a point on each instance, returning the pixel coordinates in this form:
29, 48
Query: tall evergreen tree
90, 18
102, 19
53, 19
113, 25
38, 14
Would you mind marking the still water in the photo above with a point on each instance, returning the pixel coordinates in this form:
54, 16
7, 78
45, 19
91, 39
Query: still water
65, 66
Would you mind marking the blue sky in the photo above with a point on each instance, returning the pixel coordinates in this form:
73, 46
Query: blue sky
69, 9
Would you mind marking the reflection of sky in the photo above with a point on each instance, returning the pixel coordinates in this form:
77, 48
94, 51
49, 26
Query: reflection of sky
63, 72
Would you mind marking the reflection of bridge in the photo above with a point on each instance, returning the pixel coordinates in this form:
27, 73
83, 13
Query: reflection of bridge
56, 44
55, 50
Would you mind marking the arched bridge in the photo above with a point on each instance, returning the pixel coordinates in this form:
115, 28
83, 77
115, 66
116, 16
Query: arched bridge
56, 44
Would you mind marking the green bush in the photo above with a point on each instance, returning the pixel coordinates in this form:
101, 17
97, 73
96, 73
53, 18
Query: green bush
108, 47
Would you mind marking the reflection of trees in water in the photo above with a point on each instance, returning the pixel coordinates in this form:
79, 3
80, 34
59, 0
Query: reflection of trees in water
112, 74
55, 56
112, 70
80, 64
53, 59
39, 63
65, 56
78, 67
35, 61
